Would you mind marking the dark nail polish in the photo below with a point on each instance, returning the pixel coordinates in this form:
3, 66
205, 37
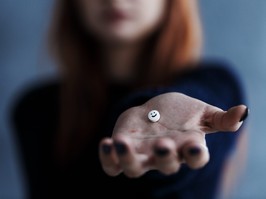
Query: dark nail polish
106, 149
120, 148
245, 115
161, 152
194, 151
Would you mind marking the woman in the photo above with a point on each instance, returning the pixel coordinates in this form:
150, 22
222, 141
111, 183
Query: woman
88, 133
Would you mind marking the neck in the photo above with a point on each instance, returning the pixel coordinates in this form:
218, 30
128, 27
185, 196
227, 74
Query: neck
120, 61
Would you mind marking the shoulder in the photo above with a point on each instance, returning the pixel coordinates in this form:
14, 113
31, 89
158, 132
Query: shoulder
35, 105
217, 69
215, 81
223, 74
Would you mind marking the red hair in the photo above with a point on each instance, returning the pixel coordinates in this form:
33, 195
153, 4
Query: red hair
170, 49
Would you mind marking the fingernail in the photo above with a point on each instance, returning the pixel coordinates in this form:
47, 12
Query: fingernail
161, 152
106, 149
120, 148
194, 151
245, 115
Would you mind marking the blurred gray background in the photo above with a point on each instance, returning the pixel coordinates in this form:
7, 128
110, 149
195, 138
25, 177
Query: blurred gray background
234, 30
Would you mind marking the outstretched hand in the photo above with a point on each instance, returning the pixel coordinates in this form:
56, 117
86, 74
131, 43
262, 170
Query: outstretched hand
163, 133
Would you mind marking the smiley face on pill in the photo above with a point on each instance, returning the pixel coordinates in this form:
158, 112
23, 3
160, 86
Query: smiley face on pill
154, 116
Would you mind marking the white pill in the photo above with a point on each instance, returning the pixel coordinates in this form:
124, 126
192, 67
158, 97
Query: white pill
154, 116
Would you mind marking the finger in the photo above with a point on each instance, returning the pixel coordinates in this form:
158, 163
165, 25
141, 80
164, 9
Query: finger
165, 156
130, 161
108, 158
196, 155
219, 120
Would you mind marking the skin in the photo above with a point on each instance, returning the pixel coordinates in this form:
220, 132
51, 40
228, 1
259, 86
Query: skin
121, 26
137, 144
122, 22
182, 127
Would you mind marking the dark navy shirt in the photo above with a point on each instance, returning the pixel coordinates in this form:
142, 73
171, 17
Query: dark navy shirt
35, 120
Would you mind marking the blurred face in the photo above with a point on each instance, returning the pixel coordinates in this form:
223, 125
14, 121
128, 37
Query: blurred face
122, 21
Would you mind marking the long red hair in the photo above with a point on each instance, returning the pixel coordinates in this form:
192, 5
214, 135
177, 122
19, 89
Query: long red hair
175, 44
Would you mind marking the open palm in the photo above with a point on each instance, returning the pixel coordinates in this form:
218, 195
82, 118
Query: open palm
165, 132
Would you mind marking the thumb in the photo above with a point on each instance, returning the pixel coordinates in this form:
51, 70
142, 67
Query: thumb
230, 120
